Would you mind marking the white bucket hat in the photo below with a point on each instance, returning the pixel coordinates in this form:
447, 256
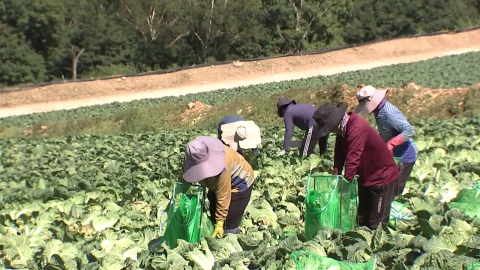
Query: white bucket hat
369, 98
243, 134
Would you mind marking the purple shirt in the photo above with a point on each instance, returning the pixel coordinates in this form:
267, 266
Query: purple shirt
299, 115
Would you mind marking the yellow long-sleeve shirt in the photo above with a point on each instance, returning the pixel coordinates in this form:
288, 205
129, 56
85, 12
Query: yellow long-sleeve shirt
237, 176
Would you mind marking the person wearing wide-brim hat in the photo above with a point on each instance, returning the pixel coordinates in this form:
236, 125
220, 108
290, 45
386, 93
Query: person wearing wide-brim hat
393, 127
228, 177
300, 116
239, 134
361, 150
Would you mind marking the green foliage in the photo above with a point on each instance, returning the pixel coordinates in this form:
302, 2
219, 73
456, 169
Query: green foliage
157, 34
93, 202
445, 72
20, 63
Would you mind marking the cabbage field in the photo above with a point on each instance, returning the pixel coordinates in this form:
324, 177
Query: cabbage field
92, 202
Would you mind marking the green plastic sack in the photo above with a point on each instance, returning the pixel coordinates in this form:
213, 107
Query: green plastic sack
474, 266
187, 221
468, 201
308, 260
399, 212
468, 195
329, 204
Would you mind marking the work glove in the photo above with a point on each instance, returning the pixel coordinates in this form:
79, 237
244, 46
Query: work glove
281, 153
395, 141
218, 230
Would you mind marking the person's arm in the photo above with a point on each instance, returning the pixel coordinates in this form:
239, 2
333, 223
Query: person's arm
224, 195
288, 120
324, 144
357, 139
399, 123
219, 129
338, 158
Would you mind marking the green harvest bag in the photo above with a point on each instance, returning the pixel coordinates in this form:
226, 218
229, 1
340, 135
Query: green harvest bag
308, 260
468, 201
329, 204
397, 159
186, 219
474, 266
399, 212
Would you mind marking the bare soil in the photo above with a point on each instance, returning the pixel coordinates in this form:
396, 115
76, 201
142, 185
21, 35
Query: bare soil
192, 115
382, 51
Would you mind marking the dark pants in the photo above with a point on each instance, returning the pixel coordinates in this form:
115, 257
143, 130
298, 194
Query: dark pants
374, 204
312, 138
238, 204
405, 171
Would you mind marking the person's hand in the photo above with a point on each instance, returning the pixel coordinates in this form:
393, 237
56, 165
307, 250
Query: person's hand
281, 153
219, 231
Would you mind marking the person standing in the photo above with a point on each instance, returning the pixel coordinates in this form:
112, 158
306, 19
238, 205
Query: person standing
393, 127
228, 177
234, 119
300, 116
361, 150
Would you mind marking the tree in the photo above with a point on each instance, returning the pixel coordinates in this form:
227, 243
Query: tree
20, 63
93, 37
38, 23
206, 21
155, 19
300, 22
249, 36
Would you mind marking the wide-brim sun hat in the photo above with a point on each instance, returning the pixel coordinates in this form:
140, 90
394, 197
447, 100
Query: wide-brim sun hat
204, 158
368, 99
328, 116
243, 134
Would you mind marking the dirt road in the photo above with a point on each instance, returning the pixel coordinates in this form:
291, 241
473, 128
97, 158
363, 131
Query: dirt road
80, 94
